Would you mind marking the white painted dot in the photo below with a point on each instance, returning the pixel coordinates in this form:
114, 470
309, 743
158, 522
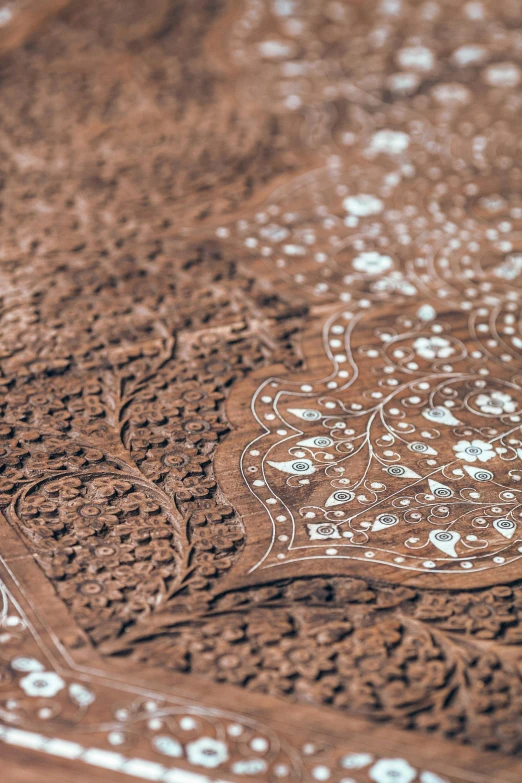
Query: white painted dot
235, 730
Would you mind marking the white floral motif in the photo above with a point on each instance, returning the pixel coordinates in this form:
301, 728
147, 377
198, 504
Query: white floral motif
496, 403
392, 771
42, 684
451, 93
390, 142
207, 752
470, 54
395, 281
404, 81
362, 205
433, 347
418, 58
372, 263
322, 530
502, 75
474, 450
510, 268
275, 49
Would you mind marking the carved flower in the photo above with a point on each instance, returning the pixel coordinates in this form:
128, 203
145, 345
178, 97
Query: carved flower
221, 538
159, 551
108, 555
484, 615
109, 486
210, 511
271, 681
303, 658
192, 487
42, 684
496, 403
94, 592
433, 347
207, 752
67, 488
474, 450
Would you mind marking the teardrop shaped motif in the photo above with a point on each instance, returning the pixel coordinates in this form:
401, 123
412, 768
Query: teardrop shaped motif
506, 527
400, 471
338, 497
296, 467
308, 414
439, 490
445, 540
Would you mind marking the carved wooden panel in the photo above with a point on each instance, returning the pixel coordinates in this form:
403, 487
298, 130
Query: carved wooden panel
261, 391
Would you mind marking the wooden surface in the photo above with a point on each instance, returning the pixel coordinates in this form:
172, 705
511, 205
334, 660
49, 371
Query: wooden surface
261, 389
